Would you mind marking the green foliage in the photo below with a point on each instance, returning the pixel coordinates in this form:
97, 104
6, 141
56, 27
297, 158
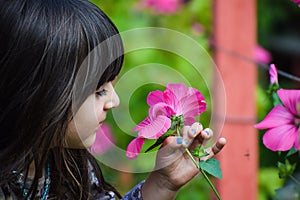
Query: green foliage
195, 189
275, 17
291, 189
291, 152
263, 102
211, 166
272, 92
266, 187
199, 152
286, 169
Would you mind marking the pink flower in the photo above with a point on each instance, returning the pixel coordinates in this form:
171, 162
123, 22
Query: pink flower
273, 74
197, 28
261, 55
283, 122
297, 2
103, 141
162, 6
176, 100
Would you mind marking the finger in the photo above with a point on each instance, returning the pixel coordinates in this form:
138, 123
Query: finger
219, 146
190, 133
205, 136
184, 132
207, 133
212, 151
202, 139
173, 143
194, 130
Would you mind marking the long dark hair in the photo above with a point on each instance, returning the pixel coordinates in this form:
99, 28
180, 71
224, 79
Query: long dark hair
44, 44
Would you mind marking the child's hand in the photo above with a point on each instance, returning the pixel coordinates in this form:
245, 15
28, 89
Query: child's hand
173, 167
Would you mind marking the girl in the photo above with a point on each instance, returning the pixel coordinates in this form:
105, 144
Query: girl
58, 59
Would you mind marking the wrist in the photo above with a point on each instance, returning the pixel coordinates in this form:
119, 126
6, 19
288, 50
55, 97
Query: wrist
157, 186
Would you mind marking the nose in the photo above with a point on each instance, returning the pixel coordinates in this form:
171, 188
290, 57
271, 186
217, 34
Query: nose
113, 100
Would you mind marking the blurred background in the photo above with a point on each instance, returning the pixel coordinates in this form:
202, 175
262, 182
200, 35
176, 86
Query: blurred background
278, 42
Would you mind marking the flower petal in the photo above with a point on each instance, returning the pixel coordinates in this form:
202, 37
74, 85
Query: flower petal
193, 103
278, 116
155, 128
178, 89
199, 108
273, 74
297, 2
189, 121
103, 141
162, 6
297, 141
262, 55
134, 148
161, 109
173, 94
280, 138
171, 100
290, 99
155, 97
142, 124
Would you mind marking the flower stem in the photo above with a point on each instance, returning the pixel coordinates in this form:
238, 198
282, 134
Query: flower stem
198, 167
192, 158
203, 173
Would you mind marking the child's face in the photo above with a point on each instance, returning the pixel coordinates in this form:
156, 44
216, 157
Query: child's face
90, 116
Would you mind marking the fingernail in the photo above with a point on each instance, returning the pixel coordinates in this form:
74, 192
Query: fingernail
193, 131
179, 140
207, 132
186, 143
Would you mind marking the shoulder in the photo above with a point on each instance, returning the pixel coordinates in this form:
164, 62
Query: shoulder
92, 175
97, 193
135, 193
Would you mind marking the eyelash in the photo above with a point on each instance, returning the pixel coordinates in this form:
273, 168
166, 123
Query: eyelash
102, 92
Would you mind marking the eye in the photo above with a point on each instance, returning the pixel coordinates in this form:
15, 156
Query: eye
102, 92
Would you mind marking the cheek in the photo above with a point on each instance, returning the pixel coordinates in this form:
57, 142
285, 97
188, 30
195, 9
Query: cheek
86, 120
82, 129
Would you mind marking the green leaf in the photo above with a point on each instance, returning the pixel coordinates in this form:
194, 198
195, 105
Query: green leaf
199, 152
273, 94
286, 169
276, 100
211, 166
291, 152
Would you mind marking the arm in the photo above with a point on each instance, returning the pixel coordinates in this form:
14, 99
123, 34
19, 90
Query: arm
156, 187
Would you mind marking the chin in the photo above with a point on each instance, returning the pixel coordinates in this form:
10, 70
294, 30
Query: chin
88, 142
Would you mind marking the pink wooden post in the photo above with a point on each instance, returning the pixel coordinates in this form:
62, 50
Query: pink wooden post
235, 30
